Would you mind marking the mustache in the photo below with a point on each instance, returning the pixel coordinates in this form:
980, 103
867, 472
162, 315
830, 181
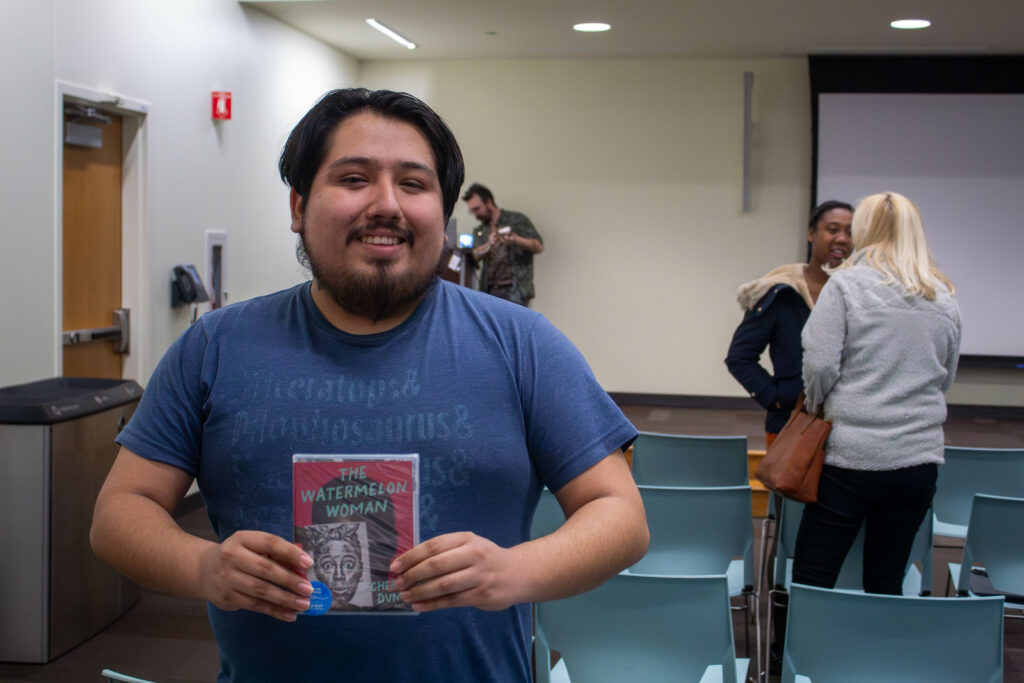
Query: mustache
389, 227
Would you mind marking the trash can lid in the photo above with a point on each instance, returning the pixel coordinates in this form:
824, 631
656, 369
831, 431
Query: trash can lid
59, 399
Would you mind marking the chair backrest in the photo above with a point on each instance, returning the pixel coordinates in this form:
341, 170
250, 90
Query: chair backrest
995, 539
835, 636
679, 460
548, 516
640, 628
697, 530
995, 471
851, 576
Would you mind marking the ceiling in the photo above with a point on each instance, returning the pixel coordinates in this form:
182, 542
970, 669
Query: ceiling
496, 29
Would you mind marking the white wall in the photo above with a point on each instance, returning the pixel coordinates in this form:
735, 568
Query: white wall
630, 168
199, 175
27, 238
632, 171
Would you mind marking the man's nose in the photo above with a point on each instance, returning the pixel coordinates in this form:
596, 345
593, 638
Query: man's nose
385, 200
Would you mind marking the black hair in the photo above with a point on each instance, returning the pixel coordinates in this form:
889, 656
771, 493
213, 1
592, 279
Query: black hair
306, 147
479, 190
823, 208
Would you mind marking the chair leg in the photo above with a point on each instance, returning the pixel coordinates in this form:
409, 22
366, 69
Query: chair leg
775, 600
764, 580
756, 674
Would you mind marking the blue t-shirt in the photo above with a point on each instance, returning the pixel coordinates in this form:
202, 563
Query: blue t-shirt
497, 402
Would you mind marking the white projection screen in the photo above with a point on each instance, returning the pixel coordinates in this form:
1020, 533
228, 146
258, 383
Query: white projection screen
960, 158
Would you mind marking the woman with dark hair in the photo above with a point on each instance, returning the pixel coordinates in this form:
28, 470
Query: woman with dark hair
880, 351
777, 306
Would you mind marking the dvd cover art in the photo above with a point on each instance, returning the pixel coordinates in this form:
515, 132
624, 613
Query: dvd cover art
354, 514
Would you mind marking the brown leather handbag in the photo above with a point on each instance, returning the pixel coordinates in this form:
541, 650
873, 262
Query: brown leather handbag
792, 464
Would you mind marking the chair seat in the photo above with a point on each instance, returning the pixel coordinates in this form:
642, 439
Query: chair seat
713, 674
980, 586
911, 581
734, 575
948, 529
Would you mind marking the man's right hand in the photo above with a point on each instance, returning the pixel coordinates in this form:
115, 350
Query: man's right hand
256, 571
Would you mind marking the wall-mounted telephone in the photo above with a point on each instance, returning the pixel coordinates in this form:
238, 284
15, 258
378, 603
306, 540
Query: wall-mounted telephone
186, 286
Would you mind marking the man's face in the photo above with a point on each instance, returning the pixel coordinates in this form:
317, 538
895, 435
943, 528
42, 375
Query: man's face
831, 239
339, 566
481, 210
373, 224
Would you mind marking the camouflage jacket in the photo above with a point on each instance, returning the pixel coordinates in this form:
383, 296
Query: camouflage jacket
519, 261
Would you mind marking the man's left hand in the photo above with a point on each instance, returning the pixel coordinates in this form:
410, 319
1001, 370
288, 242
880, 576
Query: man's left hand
456, 570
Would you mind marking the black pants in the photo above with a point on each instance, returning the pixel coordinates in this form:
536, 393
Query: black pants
891, 504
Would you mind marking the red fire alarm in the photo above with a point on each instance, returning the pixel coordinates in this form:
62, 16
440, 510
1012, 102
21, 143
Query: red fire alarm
221, 105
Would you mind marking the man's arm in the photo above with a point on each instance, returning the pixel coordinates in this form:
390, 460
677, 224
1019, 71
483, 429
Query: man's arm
524, 235
530, 244
605, 531
481, 250
134, 531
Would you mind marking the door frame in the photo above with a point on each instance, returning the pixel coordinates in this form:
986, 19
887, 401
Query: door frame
134, 227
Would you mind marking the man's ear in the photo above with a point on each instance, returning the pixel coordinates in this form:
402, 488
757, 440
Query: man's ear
295, 202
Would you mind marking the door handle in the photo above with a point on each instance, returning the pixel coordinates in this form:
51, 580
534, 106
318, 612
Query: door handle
119, 332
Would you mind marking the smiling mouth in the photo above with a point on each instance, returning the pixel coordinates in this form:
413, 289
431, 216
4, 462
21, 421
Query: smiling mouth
388, 240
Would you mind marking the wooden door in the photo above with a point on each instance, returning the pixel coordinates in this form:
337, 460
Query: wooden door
92, 251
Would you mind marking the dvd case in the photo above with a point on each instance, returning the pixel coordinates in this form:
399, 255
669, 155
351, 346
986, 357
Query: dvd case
354, 514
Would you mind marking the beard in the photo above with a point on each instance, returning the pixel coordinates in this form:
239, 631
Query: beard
376, 295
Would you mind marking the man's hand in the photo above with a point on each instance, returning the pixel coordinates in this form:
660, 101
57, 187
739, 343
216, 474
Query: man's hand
457, 570
256, 571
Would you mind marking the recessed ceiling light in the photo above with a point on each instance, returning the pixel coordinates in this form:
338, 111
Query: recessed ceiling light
592, 27
391, 34
910, 23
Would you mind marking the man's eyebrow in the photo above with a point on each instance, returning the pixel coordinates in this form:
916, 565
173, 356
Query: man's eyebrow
367, 161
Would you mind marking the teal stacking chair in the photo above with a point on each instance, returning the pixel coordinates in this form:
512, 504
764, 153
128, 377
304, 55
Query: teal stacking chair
840, 637
995, 471
703, 530
640, 628
681, 460
916, 582
548, 516
115, 677
993, 561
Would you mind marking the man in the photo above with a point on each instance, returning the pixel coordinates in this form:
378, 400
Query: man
505, 242
375, 355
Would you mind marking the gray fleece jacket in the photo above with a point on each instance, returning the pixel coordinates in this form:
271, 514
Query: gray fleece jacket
881, 362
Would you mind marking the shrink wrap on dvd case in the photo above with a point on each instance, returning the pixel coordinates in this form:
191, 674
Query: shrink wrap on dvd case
354, 514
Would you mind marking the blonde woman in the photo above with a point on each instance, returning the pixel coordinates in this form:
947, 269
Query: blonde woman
880, 351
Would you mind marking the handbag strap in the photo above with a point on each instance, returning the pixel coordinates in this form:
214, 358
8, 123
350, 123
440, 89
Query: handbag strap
801, 405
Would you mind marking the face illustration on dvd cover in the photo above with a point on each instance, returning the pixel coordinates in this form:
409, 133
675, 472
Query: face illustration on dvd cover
339, 559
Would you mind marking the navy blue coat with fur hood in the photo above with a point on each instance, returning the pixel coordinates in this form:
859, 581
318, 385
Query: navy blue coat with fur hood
777, 306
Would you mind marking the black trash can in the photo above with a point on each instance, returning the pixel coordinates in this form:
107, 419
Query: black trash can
56, 448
